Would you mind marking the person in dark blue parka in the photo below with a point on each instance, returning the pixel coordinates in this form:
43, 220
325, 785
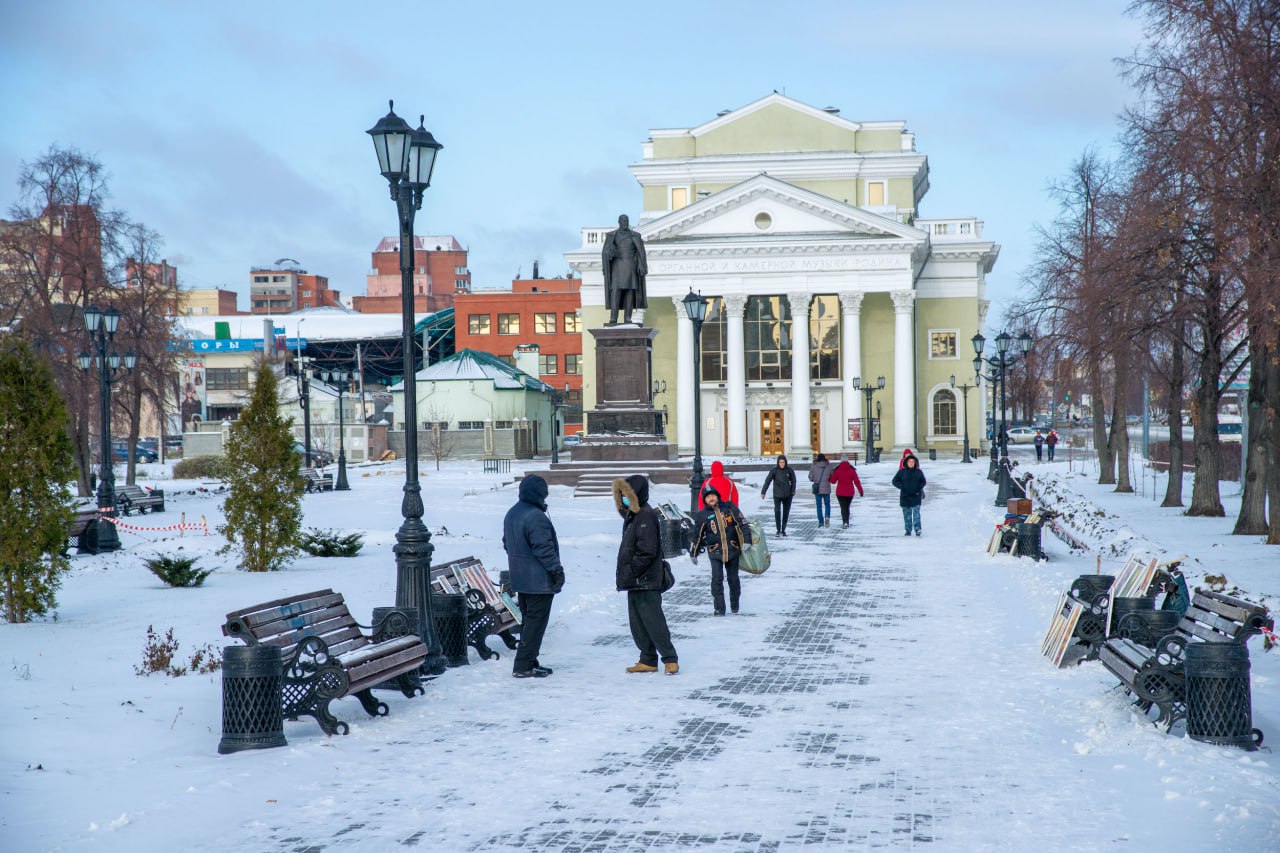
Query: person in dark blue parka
533, 556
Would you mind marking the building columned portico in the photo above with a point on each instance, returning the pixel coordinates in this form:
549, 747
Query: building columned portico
815, 278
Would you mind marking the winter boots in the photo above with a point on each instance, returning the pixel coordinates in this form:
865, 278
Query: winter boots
644, 667
671, 668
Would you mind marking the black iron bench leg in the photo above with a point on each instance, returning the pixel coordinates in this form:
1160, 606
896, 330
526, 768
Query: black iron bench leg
511, 641
410, 684
372, 706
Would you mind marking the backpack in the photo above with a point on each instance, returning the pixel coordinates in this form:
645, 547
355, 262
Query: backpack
755, 558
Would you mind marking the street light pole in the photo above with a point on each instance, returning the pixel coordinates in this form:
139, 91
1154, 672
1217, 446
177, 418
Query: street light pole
557, 403
868, 391
695, 306
342, 380
964, 389
304, 395
101, 326
406, 158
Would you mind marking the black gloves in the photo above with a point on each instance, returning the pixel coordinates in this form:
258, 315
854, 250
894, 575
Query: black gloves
557, 580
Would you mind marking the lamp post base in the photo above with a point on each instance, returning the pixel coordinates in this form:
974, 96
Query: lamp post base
966, 457
1005, 488
413, 551
341, 484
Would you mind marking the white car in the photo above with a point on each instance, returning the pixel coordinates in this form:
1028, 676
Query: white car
1022, 435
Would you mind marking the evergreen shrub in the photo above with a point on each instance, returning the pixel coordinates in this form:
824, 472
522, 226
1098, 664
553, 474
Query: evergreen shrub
331, 543
200, 468
177, 571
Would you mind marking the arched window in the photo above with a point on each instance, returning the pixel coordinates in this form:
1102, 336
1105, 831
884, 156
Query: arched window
944, 412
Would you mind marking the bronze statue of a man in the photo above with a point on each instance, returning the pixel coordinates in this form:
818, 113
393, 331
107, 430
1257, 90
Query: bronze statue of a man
625, 268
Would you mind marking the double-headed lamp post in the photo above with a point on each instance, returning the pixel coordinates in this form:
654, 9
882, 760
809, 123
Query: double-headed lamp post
406, 158
101, 326
557, 404
964, 389
869, 390
1000, 369
341, 380
695, 305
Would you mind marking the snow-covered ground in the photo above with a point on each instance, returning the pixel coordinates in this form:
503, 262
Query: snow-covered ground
876, 691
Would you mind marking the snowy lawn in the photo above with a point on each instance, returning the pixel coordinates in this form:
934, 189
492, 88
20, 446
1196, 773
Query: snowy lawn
877, 691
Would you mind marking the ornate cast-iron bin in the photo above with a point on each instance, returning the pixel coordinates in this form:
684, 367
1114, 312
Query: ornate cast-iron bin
1219, 705
251, 702
1122, 607
451, 613
1089, 587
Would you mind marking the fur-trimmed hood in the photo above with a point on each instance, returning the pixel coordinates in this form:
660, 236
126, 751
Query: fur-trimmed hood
634, 488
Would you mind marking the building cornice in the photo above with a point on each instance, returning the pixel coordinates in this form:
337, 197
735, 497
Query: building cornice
841, 165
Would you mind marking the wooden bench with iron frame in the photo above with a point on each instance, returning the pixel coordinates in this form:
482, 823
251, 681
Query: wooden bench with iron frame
130, 498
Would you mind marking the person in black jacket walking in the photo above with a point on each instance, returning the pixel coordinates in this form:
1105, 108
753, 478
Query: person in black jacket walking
910, 482
723, 533
639, 575
783, 479
533, 556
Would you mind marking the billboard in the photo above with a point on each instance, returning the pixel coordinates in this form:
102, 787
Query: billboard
192, 396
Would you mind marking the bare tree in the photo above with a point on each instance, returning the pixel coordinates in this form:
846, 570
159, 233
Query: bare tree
441, 442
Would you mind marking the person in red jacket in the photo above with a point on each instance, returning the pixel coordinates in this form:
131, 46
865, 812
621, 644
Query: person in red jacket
846, 479
723, 485
903, 461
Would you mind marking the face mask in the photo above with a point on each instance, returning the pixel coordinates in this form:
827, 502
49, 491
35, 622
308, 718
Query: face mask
626, 502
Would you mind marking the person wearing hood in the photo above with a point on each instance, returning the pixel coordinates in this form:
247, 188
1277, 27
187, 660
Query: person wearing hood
723, 533
639, 575
903, 461
783, 479
910, 482
533, 557
820, 476
845, 476
722, 484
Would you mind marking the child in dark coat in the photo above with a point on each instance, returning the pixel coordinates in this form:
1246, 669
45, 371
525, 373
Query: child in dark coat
910, 483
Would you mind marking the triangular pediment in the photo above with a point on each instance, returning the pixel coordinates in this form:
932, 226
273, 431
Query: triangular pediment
766, 207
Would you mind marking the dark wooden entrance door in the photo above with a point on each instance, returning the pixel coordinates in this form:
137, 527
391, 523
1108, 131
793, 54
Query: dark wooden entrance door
772, 437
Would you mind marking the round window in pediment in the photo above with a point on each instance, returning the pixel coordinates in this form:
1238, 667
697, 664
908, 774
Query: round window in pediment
764, 221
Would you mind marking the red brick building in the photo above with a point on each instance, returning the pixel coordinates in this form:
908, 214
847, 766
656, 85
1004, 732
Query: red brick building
541, 311
283, 289
440, 271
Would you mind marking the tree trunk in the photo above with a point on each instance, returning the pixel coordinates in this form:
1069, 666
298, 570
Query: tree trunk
1118, 440
1106, 462
1252, 519
1205, 499
1173, 489
1271, 414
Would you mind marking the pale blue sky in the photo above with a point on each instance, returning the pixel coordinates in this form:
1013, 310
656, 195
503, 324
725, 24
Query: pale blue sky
236, 129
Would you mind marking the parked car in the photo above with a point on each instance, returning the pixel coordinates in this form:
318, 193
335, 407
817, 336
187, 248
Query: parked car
319, 458
1022, 435
119, 452
571, 441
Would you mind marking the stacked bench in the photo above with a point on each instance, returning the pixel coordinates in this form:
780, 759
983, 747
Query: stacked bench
317, 481
327, 656
131, 498
1155, 675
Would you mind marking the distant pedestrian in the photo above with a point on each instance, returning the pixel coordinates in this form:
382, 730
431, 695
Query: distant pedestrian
720, 482
1051, 441
910, 483
783, 479
905, 454
1039, 442
845, 476
723, 533
639, 575
820, 477
533, 556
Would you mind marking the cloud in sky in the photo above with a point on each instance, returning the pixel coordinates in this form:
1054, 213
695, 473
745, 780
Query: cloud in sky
237, 129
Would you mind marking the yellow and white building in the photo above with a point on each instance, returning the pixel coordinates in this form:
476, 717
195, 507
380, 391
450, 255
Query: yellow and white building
786, 216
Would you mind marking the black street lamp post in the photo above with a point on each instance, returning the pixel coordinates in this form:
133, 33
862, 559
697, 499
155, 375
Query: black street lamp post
406, 158
695, 305
557, 405
1000, 368
101, 326
303, 379
341, 379
869, 390
964, 389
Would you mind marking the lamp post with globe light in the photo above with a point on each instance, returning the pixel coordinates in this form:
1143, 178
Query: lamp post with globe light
101, 324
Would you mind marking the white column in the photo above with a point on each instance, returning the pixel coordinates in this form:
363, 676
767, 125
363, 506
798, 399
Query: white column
904, 370
850, 362
736, 374
799, 439
686, 382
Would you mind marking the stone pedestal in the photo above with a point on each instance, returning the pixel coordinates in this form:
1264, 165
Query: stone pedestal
624, 425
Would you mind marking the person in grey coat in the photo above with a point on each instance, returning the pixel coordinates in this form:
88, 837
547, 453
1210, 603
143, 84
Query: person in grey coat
820, 476
533, 557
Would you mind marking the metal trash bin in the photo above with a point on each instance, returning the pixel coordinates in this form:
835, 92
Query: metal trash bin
389, 623
1029, 542
1219, 705
1088, 587
1122, 607
252, 710
875, 453
933, 454
451, 614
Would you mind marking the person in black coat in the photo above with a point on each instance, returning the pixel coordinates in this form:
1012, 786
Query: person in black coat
533, 557
910, 483
783, 479
723, 533
639, 575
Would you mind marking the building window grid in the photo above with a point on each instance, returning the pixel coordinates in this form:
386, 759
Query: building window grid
714, 337
470, 425
478, 324
572, 322
944, 344
508, 324
944, 412
548, 365
572, 364
227, 378
767, 329
544, 324
824, 338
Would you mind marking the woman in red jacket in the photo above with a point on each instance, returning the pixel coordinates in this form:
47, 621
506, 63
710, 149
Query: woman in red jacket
846, 479
723, 485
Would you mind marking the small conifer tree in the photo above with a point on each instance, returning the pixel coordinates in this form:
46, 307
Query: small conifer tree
36, 465
264, 507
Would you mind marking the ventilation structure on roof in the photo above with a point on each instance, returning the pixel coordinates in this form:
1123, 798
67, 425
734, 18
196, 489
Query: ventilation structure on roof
835, 111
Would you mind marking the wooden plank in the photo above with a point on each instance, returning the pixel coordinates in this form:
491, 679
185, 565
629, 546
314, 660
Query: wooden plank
1225, 605
1204, 633
350, 645
1117, 666
413, 660
289, 611
1230, 627
378, 665
278, 602
374, 650
331, 638
316, 616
